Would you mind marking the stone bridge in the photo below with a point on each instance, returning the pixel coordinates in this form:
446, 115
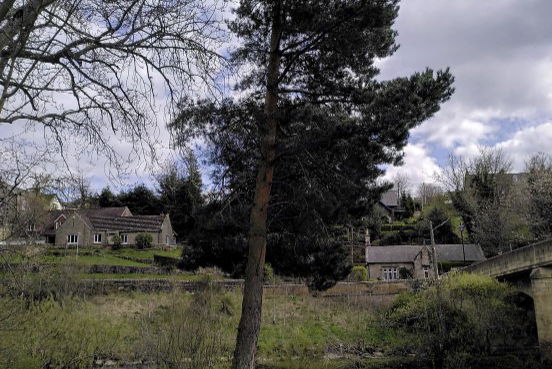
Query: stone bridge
530, 269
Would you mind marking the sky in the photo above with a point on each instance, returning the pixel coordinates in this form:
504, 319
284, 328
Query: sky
500, 53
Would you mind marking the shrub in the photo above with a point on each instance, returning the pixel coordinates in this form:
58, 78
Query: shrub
116, 242
405, 273
144, 240
39, 282
359, 274
188, 336
462, 315
269, 274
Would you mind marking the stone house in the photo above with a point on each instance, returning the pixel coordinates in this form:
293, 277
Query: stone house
389, 204
386, 262
97, 227
24, 212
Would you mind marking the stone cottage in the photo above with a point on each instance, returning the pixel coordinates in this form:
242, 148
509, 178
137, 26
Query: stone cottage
97, 227
386, 262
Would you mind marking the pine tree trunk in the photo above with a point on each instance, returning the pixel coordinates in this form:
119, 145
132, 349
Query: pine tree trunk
250, 321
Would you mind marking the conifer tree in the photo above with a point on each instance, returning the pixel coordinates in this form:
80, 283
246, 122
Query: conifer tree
312, 109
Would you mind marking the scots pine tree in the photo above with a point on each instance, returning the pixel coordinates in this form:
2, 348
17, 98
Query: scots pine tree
307, 136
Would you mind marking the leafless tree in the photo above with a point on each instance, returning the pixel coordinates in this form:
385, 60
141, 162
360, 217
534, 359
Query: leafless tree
485, 193
19, 163
539, 195
427, 192
401, 183
73, 189
94, 68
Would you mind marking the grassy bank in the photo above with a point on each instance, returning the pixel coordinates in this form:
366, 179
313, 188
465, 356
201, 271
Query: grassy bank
119, 327
89, 256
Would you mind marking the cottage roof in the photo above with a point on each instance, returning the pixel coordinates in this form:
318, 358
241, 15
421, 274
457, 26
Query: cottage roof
134, 223
390, 198
407, 253
392, 254
106, 212
85, 215
53, 215
455, 252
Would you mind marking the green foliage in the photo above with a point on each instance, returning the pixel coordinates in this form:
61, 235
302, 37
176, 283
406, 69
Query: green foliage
107, 198
339, 123
359, 274
188, 335
269, 276
180, 193
539, 183
408, 204
49, 334
444, 234
34, 282
405, 273
116, 242
140, 200
464, 314
144, 240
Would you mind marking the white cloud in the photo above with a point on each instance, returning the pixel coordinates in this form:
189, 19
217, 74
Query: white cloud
418, 166
500, 53
526, 143
455, 131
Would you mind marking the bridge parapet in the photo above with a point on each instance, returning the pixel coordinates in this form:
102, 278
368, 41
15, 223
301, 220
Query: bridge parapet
528, 266
519, 260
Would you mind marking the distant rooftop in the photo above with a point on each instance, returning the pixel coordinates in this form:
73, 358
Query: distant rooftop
407, 253
390, 198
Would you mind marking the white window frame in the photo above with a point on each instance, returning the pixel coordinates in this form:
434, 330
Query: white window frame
124, 239
426, 272
167, 240
390, 273
73, 239
97, 238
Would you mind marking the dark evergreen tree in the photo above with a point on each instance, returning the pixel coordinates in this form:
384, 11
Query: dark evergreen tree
180, 195
140, 200
444, 234
408, 205
106, 199
308, 138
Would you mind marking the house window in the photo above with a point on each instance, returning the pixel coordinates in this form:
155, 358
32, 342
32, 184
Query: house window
97, 238
124, 239
72, 239
31, 227
390, 274
167, 240
58, 224
426, 272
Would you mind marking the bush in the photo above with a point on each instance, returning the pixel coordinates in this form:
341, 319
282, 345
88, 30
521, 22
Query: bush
144, 240
269, 274
359, 274
39, 282
463, 315
188, 336
405, 273
116, 242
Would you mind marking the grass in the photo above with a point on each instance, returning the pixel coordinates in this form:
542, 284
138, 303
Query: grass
119, 326
173, 277
101, 259
146, 254
94, 256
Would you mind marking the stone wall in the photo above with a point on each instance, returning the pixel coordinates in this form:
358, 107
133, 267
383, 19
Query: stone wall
106, 286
